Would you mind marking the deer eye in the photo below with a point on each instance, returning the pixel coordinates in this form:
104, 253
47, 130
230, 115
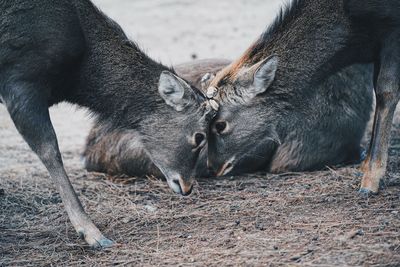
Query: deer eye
199, 139
220, 126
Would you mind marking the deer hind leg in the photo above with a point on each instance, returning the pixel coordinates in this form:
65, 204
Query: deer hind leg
28, 109
387, 91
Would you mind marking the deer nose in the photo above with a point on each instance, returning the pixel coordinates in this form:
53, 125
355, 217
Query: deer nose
226, 167
185, 187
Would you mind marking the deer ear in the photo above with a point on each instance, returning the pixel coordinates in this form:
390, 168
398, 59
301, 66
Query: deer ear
174, 90
264, 74
260, 77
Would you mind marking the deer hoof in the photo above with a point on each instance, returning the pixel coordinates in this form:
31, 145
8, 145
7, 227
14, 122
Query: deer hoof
105, 243
95, 239
365, 192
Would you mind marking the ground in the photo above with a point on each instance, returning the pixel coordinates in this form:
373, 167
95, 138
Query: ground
313, 219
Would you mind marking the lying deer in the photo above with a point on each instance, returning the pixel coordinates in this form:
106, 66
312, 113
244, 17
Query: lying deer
67, 50
307, 146
309, 41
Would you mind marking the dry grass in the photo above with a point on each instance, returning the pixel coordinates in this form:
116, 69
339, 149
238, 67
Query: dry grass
312, 219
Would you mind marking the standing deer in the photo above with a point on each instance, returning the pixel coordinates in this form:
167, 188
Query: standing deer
309, 41
67, 50
307, 146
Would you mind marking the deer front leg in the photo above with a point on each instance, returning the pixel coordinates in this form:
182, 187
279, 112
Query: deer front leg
387, 93
27, 106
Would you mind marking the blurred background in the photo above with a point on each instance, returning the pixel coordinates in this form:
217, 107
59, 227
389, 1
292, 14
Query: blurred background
175, 31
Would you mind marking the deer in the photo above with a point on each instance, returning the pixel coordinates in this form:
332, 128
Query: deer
68, 50
121, 153
308, 42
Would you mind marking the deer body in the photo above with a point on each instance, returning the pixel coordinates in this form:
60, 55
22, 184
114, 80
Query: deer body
308, 42
67, 50
315, 136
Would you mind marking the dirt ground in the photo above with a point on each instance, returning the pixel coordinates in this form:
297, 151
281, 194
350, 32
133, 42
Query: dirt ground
311, 219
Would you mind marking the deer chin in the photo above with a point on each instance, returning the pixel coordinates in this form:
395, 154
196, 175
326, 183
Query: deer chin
174, 186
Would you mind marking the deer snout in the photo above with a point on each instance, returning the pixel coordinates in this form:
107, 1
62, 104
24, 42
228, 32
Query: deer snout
226, 167
181, 186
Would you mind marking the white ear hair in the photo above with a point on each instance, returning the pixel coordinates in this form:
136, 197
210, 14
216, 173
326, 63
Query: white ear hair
206, 79
172, 89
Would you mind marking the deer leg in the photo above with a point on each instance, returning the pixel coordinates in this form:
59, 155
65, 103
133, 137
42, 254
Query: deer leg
29, 110
387, 93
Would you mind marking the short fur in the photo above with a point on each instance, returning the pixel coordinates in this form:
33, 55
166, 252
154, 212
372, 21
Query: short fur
307, 145
67, 50
119, 152
313, 39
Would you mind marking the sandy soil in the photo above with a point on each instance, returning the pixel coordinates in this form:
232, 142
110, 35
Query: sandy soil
314, 219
